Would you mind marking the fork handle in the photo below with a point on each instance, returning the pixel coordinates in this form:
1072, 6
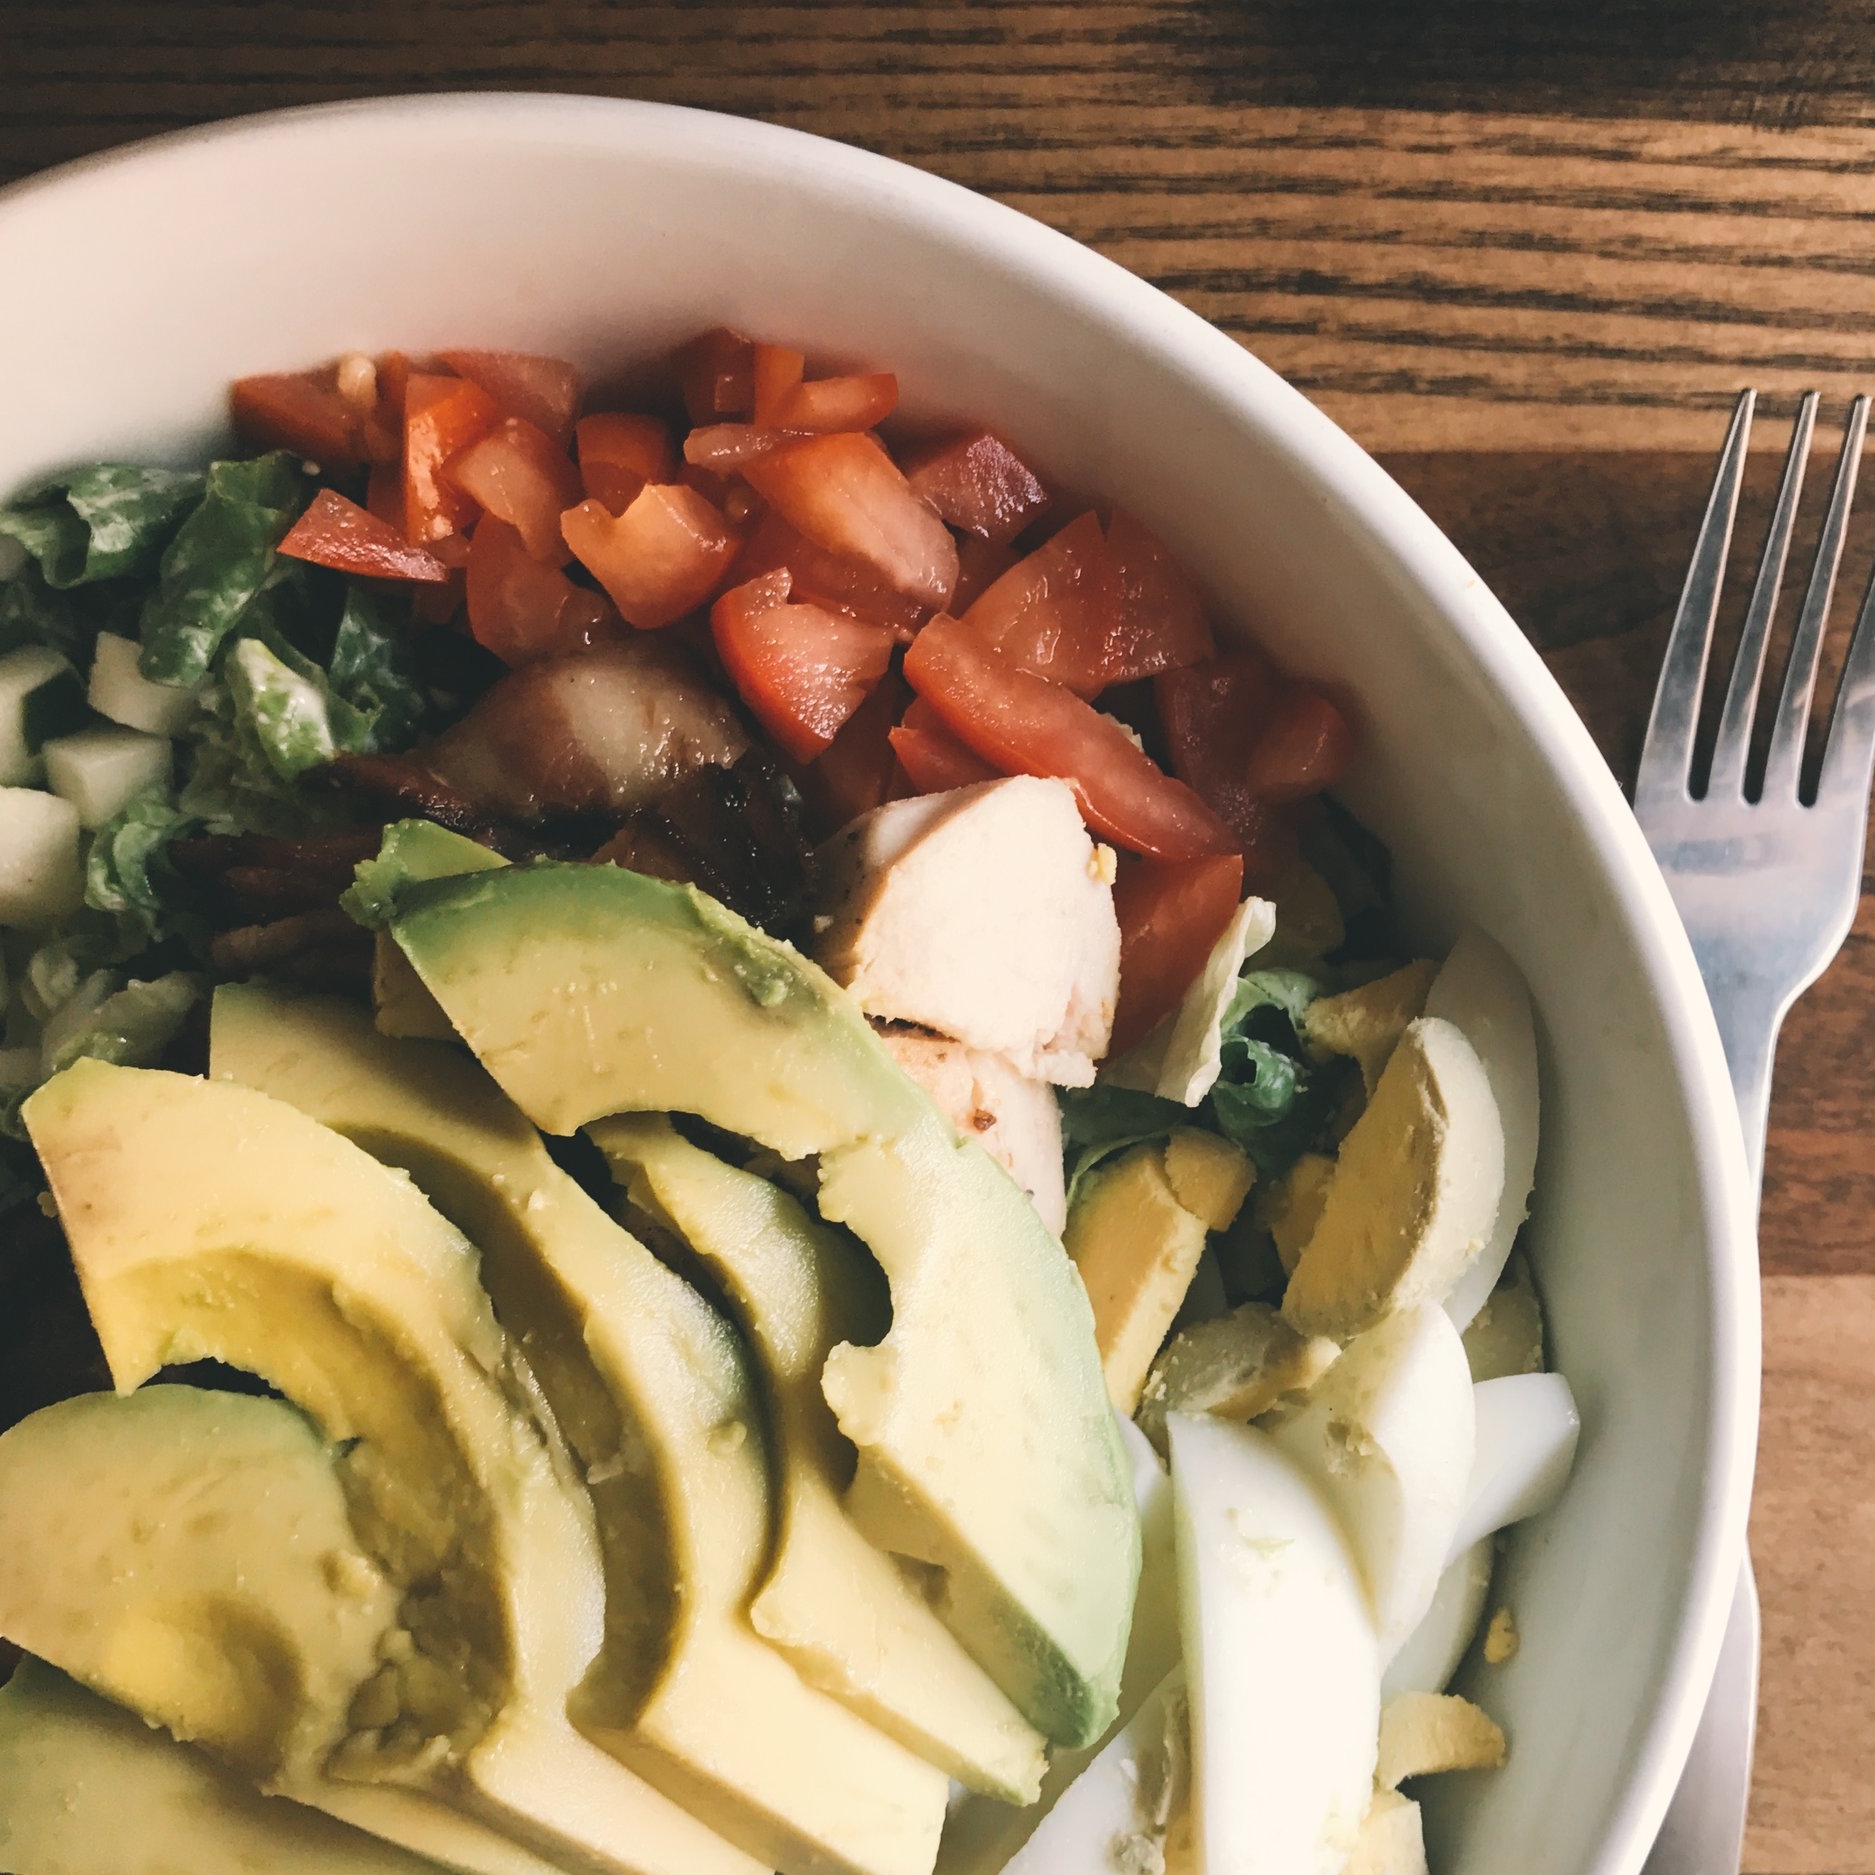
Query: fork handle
1748, 1024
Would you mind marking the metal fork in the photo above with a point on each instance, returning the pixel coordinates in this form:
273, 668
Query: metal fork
1767, 887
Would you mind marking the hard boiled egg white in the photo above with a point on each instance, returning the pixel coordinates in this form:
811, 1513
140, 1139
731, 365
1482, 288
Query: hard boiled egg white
1430, 1655
1282, 1666
1527, 1427
1386, 1434
1482, 994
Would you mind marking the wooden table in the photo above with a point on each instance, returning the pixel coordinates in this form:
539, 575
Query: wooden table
1526, 255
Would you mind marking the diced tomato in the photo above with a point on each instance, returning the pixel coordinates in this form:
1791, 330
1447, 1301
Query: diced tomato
440, 605
661, 558
1305, 747
1171, 913
980, 564
723, 447
1212, 714
1160, 623
543, 391
338, 533
845, 494
857, 770
384, 494
1052, 613
520, 475
1023, 724
619, 453
520, 607
824, 405
442, 417
716, 372
826, 579
303, 411
932, 758
802, 669
776, 371
979, 484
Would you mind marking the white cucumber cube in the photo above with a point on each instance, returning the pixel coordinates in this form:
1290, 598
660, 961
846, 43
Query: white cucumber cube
41, 879
101, 770
120, 691
40, 697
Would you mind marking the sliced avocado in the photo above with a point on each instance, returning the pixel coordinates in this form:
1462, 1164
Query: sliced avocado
209, 1222
412, 849
190, 1554
986, 1447
652, 1390
89, 1789
842, 1611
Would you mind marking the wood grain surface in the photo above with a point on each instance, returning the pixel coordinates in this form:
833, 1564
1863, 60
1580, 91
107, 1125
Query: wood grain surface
1528, 255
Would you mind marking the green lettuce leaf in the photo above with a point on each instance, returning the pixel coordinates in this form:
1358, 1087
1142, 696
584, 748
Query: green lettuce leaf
108, 1019
373, 667
128, 874
111, 521
33, 612
221, 571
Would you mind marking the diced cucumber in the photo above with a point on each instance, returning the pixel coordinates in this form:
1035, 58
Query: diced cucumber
40, 697
120, 691
101, 770
41, 880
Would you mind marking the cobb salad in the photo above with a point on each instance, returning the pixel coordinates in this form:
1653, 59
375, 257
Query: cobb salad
799, 1207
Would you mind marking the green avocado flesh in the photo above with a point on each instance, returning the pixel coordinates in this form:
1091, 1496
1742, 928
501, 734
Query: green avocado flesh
89, 1789
209, 1222
651, 1389
191, 1555
849, 1618
986, 1447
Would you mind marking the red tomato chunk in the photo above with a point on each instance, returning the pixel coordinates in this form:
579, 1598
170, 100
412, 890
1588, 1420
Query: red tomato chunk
620, 453
716, 371
979, 484
1053, 613
442, 417
932, 758
338, 533
1024, 725
660, 559
543, 391
1159, 622
802, 669
1171, 913
845, 494
520, 475
303, 411
521, 607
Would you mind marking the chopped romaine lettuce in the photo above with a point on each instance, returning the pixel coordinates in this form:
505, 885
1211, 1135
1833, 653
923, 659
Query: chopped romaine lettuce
111, 521
221, 566
108, 1019
128, 874
373, 668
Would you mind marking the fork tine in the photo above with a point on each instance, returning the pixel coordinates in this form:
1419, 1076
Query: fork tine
1849, 754
1784, 766
1733, 746
1667, 751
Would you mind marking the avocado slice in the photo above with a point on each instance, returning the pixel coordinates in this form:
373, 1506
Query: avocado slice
209, 1222
850, 1620
652, 1390
986, 1447
191, 1555
89, 1789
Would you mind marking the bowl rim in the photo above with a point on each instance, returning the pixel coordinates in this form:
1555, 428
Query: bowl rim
1134, 312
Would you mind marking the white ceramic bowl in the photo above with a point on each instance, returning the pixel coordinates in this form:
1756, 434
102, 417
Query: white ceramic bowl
137, 285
